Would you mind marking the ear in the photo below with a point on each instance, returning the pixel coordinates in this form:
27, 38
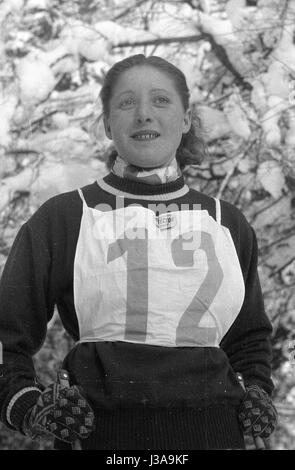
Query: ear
187, 121
107, 127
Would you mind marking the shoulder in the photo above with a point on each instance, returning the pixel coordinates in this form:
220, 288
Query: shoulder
231, 216
205, 202
242, 233
231, 219
63, 204
60, 213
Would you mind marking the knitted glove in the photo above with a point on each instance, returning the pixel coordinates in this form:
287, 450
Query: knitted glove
257, 413
61, 412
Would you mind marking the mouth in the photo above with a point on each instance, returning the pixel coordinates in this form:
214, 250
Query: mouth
145, 135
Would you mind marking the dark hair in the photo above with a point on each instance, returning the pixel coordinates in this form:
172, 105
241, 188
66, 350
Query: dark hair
192, 148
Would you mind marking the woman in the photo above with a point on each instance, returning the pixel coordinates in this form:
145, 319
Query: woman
155, 281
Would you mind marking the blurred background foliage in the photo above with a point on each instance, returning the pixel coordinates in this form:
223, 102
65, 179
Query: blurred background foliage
239, 60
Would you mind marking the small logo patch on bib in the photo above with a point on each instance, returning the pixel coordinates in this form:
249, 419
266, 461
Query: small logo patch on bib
165, 221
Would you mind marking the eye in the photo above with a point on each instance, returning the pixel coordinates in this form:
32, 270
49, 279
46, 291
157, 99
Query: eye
127, 103
161, 100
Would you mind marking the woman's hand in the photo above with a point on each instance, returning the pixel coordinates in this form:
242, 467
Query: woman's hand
257, 413
61, 412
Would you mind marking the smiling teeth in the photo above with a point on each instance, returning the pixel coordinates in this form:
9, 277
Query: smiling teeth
145, 136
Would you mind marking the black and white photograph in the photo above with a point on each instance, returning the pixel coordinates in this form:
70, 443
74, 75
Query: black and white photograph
147, 227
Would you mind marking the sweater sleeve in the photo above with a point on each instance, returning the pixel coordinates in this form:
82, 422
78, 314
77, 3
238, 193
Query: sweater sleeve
26, 305
247, 343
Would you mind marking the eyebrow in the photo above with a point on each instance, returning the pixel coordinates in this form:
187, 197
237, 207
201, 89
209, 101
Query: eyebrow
162, 90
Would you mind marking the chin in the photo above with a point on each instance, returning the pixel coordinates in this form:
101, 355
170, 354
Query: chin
152, 165
146, 160
148, 163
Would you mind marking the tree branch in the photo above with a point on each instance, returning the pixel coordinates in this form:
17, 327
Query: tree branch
159, 41
129, 10
221, 54
219, 51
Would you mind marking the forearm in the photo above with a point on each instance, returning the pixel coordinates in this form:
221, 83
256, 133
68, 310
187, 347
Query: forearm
19, 388
247, 343
25, 307
251, 356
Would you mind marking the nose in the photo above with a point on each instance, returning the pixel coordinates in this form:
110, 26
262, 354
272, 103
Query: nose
143, 113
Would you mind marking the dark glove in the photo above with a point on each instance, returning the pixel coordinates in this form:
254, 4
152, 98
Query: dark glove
257, 413
61, 412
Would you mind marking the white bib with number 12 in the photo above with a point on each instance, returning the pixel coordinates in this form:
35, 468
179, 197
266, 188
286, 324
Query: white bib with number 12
172, 282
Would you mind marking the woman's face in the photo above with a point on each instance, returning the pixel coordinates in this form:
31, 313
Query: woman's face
146, 118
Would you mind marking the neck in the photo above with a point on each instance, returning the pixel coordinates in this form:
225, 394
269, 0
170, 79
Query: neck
153, 176
132, 189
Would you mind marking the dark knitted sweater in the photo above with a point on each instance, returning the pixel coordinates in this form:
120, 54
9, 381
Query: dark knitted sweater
142, 386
